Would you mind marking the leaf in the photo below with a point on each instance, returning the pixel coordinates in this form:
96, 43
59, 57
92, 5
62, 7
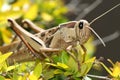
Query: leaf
25, 77
4, 57
64, 57
85, 67
32, 77
9, 68
73, 66
2, 78
58, 71
59, 65
62, 65
48, 74
116, 69
38, 70
54, 65
15, 76
89, 64
3, 66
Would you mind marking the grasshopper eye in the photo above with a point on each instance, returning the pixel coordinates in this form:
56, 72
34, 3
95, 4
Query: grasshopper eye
80, 25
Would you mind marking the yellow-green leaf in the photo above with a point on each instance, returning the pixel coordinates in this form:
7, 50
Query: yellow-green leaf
62, 65
4, 57
48, 74
38, 70
72, 64
54, 65
59, 65
116, 69
32, 77
9, 68
2, 78
86, 66
58, 71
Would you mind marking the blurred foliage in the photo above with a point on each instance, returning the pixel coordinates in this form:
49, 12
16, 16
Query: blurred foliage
45, 13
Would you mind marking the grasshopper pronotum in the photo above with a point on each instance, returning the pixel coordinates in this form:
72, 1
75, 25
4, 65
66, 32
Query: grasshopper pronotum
64, 36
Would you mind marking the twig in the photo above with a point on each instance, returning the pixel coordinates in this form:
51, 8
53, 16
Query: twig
99, 77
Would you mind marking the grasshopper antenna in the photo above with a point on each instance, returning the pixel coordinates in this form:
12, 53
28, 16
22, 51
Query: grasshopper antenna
97, 36
104, 13
99, 18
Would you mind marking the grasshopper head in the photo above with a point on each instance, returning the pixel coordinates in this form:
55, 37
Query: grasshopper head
82, 32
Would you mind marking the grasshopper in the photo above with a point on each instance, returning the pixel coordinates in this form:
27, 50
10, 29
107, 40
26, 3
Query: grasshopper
65, 36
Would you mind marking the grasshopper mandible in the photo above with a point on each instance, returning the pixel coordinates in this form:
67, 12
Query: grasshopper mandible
64, 36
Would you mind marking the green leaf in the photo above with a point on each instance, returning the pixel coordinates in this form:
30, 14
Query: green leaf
2, 78
73, 66
38, 70
85, 67
58, 71
48, 74
15, 76
4, 57
64, 57
3, 66
89, 63
9, 68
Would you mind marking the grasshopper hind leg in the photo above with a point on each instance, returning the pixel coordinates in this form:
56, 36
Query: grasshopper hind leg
32, 26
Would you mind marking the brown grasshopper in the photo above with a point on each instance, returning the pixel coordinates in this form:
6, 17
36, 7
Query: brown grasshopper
64, 36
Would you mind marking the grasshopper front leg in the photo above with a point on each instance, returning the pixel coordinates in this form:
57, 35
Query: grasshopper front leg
84, 50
